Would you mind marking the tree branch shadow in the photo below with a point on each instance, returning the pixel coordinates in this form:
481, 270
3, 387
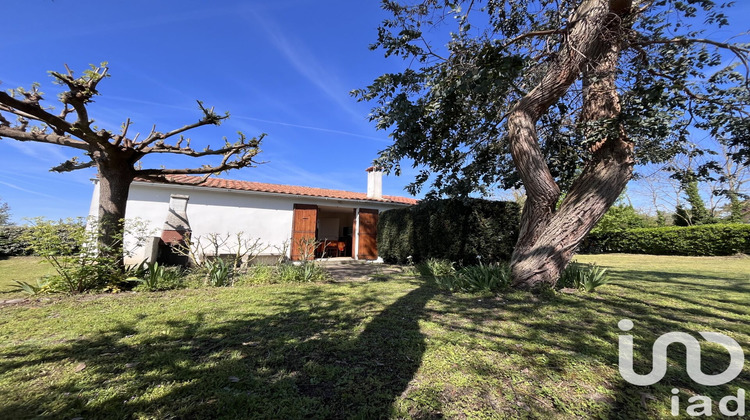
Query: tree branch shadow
315, 357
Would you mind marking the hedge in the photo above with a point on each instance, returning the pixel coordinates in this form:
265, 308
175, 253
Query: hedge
701, 240
458, 230
11, 242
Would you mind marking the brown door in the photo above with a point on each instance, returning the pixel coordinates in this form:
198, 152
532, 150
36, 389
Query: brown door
368, 234
303, 231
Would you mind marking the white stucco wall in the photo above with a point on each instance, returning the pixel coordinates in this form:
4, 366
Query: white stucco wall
211, 210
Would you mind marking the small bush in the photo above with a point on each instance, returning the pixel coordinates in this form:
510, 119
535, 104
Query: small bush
583, 277
157, 277
433, 267
72, 248
476, 279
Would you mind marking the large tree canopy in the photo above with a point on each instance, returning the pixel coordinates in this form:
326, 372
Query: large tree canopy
560, 96
116, 155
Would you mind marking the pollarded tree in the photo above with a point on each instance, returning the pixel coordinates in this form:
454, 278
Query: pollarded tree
561, 96
116, 156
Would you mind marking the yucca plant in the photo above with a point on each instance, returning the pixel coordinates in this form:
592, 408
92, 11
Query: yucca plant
484, 278
42, 286
595, 277
583, 277
476, 278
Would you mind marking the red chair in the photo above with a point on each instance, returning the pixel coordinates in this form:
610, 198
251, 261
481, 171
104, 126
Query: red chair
332, 248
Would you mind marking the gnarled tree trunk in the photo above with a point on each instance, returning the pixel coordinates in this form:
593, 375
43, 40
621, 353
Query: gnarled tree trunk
549, 237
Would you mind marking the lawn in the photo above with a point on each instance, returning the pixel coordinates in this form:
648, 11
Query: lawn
397, 348
26, 269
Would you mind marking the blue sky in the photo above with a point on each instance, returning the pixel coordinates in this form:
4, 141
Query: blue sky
282, 67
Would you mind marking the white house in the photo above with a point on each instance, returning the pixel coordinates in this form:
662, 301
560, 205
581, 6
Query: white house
279, 216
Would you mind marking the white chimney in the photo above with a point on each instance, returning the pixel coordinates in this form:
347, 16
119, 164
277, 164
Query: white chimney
374, 183
176, 227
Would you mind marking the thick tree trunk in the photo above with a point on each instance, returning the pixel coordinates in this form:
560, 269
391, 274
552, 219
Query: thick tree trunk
548, 238
542, 261
115, 177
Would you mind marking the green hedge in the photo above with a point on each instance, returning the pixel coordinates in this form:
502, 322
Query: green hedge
701, 240
456, 230
11, 241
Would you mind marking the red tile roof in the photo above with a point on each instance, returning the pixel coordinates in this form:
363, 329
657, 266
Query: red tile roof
229, 184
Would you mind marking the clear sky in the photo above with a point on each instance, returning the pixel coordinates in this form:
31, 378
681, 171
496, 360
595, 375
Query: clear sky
281, 67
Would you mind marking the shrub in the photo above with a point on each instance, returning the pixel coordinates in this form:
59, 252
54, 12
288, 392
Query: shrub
620, 217
453, 229
477, 278
59, 243
12, 242
583, 277
157, 277
69, 246
433, 267
702, 240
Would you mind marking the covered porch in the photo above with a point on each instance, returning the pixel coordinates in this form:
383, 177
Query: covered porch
334, 231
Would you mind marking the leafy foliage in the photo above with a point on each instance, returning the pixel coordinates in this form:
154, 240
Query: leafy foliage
305, 272
583, 277
12, 242
620, 217
152, 277
284, 272
456, 230
219, 272
697, 214
4, 213
702, 240
69, 247
41, 287
447, 112
490, 278
434, 267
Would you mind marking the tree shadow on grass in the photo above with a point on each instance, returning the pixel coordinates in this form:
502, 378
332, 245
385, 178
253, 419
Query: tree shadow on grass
316, 356
564, 353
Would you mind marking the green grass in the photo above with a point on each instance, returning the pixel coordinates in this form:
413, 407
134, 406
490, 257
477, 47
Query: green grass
27, 269
398, 348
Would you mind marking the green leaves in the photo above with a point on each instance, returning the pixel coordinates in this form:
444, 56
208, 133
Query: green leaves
474, 60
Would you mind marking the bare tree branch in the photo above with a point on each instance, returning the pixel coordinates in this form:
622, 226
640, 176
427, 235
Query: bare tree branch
73, 165
81, 91
42, 137
34, 111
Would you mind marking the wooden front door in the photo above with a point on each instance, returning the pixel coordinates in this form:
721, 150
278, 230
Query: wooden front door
368, 234
303, 231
